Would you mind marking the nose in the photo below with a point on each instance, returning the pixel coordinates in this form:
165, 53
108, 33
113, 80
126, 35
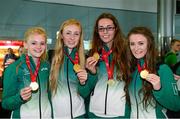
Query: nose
38, 45
72, 36
135, 47
105, 30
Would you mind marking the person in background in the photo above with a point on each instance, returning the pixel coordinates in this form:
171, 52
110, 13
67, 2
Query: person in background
26, 90
9, 58
107, 68
67, 71
151, 86
20, 50
171, 57
173, 60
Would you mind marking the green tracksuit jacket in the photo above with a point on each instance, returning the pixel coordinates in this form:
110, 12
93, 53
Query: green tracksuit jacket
16, 77
67, 103
105, 101
165, 98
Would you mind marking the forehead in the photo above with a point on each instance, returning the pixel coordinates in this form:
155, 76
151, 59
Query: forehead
105, 21
36, 37
72, 28
137, 38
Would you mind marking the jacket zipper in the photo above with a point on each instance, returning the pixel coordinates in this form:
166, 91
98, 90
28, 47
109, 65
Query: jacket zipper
105, 110
39, 97
69, 89
136, 97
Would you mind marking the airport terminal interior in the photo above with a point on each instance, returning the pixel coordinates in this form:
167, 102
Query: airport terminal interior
161, 16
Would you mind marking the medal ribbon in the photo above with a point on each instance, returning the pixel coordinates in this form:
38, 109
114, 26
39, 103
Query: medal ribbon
140, 68
110, 69
33, 75
76, 59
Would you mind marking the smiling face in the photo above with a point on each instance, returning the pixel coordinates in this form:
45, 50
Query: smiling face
71, 36
35, 45
138, 45
106, 30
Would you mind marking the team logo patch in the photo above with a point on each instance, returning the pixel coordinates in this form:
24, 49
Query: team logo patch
44, 69
175, 88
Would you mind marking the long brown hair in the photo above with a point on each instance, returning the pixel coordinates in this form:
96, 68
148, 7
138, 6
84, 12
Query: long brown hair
150, 58
119, 55
58, 57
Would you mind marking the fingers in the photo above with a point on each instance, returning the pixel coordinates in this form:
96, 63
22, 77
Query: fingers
154, 80
91, 64
9, 61
176, 77
26, 93
82, 76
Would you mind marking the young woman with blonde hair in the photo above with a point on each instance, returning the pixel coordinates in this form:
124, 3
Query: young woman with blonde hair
67, 71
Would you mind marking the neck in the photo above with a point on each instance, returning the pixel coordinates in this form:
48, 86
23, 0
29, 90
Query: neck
36, 60
109, 45
70, 50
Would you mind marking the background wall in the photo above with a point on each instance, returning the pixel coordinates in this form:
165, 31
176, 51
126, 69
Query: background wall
18, 15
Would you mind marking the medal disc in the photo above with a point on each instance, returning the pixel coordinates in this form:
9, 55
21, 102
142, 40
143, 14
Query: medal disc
96, 56
76, 67
34, 86
111, 82
144, 73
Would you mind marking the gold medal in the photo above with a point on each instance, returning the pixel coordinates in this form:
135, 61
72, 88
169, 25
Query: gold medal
34, 86
76, 67
144, 73
111, 82
96, 56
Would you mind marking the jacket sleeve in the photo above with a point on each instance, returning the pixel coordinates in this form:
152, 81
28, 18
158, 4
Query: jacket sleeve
86, 89
11, 99
167, 96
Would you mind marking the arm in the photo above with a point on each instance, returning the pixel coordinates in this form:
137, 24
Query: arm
167, 95
86, 89
11, 99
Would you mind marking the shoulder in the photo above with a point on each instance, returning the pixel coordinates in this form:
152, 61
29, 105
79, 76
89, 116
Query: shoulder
163, 67
45, 65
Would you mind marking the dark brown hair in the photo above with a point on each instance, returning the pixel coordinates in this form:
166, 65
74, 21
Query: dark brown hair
150, 58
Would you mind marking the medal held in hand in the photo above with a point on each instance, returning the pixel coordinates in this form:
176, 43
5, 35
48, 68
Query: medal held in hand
109, 68
34, 85
142, 70
76, 66
144, 73
96, 56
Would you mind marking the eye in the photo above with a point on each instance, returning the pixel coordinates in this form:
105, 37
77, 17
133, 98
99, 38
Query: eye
131, 43
101, 29
141, 43
43, 43
33, 43
67, 33
110, 28
77, 34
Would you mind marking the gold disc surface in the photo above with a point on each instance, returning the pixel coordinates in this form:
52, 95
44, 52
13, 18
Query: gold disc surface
96, 56
144, 73
76, 67
111, 82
